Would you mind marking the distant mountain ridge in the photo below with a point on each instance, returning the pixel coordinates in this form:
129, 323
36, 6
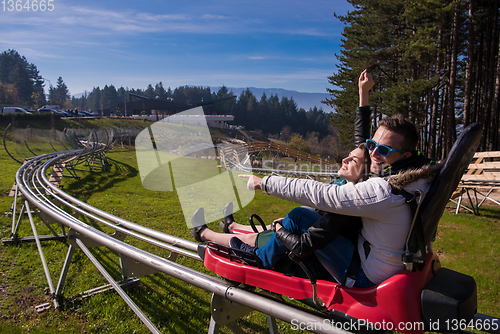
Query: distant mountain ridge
303, 100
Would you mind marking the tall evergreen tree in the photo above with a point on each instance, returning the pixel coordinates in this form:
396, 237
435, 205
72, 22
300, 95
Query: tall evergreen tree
160, 91
223, 92
94, 101
59, 94
109, 98
17, 71
150, 92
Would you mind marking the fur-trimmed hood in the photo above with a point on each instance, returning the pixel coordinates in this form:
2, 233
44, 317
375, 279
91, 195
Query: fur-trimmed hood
410, 176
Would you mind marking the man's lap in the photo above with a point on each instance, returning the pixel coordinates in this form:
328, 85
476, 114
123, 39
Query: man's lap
336, 256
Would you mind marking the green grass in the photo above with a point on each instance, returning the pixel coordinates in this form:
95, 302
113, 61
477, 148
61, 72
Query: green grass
471, 245
465, 243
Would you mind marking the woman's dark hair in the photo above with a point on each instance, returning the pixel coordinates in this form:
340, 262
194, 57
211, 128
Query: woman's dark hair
366, 156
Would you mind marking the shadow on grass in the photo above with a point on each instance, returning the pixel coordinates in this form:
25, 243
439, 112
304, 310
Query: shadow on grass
171, 304
486, 210
99, 182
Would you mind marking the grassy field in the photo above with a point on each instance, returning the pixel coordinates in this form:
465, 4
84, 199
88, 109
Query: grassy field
465, 243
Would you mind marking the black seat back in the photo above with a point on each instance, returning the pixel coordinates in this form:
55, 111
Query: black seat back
447, 180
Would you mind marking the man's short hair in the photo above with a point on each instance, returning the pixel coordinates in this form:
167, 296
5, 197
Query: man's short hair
408, 130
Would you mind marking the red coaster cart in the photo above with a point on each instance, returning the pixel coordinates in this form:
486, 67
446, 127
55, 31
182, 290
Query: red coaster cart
424, 297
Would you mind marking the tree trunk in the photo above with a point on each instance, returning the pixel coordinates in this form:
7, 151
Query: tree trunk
468, 70
487, 92
435, 102
496, 101
492, 133
450, 110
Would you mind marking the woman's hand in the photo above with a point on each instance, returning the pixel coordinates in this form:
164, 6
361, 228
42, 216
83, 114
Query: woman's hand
276, 225
253, 181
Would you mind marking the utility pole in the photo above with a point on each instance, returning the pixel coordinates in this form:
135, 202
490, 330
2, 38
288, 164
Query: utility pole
50, 85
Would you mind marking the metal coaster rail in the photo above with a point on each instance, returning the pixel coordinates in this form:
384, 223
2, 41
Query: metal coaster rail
260, 146
238, 157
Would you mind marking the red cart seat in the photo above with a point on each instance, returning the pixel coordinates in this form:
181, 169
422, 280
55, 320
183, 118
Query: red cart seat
394, 304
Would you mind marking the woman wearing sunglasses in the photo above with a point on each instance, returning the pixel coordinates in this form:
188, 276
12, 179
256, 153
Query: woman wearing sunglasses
354, 168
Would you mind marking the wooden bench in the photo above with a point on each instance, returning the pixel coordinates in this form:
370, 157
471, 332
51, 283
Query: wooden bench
482, 178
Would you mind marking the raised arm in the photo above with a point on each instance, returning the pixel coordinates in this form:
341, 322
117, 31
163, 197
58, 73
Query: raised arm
363, 112
365, 83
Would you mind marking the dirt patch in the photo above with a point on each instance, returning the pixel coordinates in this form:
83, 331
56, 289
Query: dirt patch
26, 300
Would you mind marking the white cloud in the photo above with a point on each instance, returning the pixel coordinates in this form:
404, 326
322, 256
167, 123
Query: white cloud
87, 20
214, 17
198, 42
256, 57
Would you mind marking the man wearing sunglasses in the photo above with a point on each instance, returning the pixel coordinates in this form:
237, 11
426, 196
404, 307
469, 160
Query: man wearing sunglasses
386, 217
395, 140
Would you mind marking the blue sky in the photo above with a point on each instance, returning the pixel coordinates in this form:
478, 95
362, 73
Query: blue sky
288, 44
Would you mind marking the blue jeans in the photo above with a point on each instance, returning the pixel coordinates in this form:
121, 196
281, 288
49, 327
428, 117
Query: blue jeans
335, 256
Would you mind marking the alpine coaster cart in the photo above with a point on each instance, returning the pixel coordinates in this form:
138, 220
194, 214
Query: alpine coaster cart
424, 297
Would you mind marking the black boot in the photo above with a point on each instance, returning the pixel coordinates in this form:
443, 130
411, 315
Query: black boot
227, 212
198, 221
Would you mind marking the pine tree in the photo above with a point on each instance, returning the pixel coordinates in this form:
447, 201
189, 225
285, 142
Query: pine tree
59, 94
109, 98
94, 99
160, 91
150, 92
17, 71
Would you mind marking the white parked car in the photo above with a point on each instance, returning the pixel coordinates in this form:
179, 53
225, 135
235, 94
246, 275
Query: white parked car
14, 110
